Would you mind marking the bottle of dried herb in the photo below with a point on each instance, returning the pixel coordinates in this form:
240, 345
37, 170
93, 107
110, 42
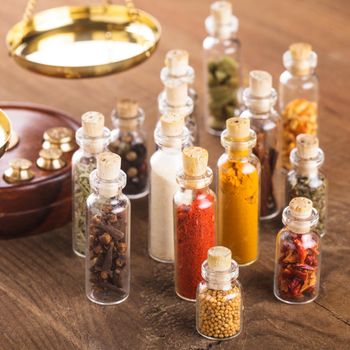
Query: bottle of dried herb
219, 297
298, 96
297, 267
177, 71
222, 67
171, 136
194, 218
93, 139
259, 99
238, 185
306, 180
128, 140
108, 230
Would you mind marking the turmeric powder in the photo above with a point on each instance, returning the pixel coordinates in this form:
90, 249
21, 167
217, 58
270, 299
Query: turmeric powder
238, 197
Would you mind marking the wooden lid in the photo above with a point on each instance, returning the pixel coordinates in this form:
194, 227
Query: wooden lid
127, 108
195, 161
108, 166
307, 146
177, 62
238, 128
300, 207
177, 95
93, 124
300, 51
260, 83
221, 12
219, 258
172, 124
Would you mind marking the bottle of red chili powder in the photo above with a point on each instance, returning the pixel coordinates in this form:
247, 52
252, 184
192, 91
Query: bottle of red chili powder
194, 217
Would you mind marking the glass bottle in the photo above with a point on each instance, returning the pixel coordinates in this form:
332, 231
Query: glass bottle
107, 275
177, 70
298, 96
171, 136
222, 68
175, 100
194, 219
298, 259
92, 139
238, 184
259, 99
128, 140
219, 313
306, 180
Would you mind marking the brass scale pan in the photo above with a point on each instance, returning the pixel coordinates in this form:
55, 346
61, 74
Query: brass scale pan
83, 41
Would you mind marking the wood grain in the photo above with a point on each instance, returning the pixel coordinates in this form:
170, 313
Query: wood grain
42, 301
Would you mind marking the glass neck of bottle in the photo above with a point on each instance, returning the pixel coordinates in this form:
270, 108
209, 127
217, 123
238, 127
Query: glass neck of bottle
222, 32
171, 144
306, 167
238, 149
195, 182
220, 280
300, 68
128, 124
92, 145
259, 105
166, 108
299, 225
107, 188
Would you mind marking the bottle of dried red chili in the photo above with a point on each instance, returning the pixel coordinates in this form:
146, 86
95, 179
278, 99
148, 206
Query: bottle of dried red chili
297, 268
194, 217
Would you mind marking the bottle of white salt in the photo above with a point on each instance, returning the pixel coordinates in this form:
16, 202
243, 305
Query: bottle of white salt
171, 136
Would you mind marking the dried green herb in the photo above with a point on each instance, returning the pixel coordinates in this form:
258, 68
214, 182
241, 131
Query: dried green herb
313, 188
81, 191
223, 84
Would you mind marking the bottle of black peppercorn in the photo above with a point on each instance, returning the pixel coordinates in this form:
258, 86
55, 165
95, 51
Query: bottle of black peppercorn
128, 140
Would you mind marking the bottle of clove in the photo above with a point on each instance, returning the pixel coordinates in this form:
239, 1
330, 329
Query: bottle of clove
108, 230
259, 99
176, 71
298, 259
222, 67
194, 216
298, 96
128, 140
306, 180
93, 139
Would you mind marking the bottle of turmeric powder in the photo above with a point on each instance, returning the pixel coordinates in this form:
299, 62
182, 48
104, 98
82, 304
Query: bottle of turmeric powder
238, 192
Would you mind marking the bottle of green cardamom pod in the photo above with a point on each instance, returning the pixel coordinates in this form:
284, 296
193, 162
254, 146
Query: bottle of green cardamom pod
222, 67
306, 180
93, 139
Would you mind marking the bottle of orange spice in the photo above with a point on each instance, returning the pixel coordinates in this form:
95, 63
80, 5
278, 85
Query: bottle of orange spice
238, 192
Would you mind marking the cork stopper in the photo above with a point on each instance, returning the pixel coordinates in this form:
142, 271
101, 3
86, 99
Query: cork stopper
177, 62
260, 83
300, 51
93, 124
176, 96
172, 124
307, 146
221, 12
195, 161
238, 128
300, 207
127, 108
108, 166
219, 258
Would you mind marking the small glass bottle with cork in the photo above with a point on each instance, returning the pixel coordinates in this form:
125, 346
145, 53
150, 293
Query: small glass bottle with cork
108, 230
259, 99
194, 218
128, 140
222, 66
174, 100
93, 138
171, 136
306, 180
298, 259
298, 96
219, 304
176, 71
238, 184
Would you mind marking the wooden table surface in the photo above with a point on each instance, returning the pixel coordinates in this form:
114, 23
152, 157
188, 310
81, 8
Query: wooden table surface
42, 297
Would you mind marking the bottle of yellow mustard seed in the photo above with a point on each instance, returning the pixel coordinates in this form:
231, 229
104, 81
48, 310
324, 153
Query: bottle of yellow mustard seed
238, 192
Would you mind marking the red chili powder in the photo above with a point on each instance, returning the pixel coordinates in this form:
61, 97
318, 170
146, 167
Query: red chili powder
195, 234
